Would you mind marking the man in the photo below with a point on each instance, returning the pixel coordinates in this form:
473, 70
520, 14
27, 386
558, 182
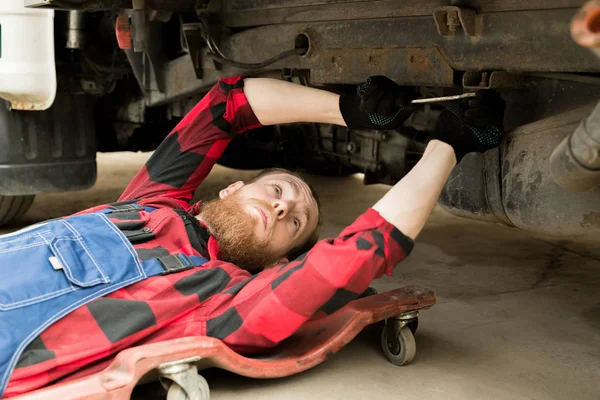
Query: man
236, 268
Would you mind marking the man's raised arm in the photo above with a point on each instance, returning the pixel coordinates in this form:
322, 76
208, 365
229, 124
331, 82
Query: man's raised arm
271, 306
189, 152
235, 105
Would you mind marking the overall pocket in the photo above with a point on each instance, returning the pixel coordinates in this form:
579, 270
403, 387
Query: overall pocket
43, 262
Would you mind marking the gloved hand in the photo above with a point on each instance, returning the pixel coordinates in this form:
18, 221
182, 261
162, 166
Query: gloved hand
379, 103
472, 126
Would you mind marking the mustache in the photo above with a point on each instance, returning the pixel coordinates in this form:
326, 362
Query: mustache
266, 207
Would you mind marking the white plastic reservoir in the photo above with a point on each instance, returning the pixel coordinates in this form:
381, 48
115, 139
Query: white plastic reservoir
27, 69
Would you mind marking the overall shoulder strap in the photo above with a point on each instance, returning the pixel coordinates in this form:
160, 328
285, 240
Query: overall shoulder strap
161, 265
171, 264
125, 207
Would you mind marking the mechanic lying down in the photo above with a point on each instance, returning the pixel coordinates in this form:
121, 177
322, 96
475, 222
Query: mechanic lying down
245, 268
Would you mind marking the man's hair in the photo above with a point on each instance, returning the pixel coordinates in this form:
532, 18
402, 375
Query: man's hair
314, 236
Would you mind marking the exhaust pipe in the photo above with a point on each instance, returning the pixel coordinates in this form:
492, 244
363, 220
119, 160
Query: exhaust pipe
575, 163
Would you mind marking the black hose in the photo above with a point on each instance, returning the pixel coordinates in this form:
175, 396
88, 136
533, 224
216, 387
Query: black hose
258, 65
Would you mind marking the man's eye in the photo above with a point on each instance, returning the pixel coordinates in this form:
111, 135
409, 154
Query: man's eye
277, 190
297, 223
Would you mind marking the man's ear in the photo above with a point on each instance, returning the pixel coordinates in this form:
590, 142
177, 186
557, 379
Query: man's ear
282, 260
231, 189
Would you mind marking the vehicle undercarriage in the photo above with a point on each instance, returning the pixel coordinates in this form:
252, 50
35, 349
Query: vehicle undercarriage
143, 64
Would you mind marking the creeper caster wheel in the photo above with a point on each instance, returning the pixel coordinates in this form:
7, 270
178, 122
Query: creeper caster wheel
182, 381
177, 392
397, 339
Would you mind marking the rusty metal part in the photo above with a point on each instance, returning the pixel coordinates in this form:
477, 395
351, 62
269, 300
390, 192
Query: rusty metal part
315, 342
408, 50
252, 66
426, 66
450, 18
575, 163
491, 80
301, 47
585, 27
444, 98
243, 13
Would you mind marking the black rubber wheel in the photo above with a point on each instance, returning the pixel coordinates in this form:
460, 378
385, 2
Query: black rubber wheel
401, 349
13, 207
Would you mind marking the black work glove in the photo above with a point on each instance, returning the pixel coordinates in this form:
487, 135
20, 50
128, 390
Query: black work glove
472, 126
379, 103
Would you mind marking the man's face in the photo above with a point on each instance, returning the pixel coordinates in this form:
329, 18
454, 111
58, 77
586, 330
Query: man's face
257, 224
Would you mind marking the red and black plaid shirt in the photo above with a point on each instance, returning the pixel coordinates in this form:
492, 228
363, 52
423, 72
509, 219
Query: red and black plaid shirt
248, 312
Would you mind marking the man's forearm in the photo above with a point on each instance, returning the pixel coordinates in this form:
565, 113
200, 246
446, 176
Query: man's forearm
280, 102
409, 203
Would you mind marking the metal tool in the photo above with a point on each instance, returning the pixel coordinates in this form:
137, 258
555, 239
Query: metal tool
444, 98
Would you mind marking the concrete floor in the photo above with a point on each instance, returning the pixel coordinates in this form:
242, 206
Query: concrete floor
517, 317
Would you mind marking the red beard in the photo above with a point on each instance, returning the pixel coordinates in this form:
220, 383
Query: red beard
233, 228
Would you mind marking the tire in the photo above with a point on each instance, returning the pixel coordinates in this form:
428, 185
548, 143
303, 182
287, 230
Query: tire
405, 343
13, 207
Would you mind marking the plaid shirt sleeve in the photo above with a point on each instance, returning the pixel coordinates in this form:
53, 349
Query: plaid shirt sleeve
188, 153
273, 304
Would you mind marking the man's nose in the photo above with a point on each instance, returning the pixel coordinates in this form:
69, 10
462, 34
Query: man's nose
282, 207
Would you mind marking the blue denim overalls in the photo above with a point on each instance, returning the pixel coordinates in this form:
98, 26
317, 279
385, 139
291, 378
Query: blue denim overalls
50, 269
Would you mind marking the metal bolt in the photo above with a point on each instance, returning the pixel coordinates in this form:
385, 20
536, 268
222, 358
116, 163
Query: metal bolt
351, 147
453, 21
485, 80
